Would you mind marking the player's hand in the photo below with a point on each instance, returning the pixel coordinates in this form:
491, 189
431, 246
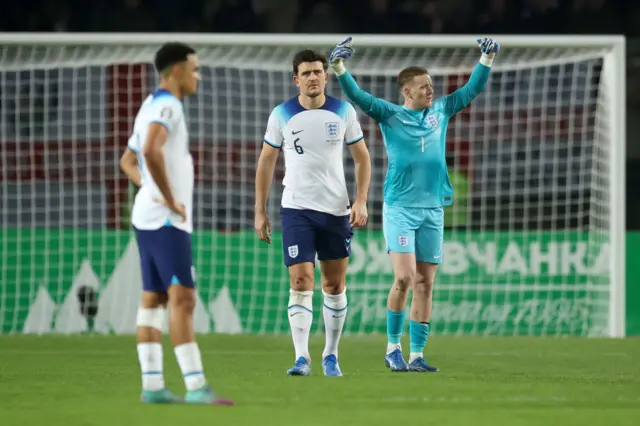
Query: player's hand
488, 47
359, 215
176, 207
341, 53
262, 226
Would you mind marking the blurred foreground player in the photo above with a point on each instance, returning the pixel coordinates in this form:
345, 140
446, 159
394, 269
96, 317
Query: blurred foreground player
162, 218
416, 189
317, 217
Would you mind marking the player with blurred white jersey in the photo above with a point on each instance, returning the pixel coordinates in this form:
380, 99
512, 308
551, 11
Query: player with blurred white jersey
317, 216
158, 160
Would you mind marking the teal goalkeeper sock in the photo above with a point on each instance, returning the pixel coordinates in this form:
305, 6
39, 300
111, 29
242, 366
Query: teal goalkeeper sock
418, 334
395, 324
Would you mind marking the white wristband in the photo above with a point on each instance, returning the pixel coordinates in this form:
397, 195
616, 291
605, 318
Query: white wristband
338, 68
486, 60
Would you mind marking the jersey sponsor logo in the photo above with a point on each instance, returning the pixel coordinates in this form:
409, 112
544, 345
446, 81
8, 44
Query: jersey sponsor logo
166, 113
293, 251
332, 128
293, 132
432, 121
403, 240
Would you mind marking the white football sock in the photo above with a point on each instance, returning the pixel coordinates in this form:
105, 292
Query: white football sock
300, 313
150, 358
392, 347
190, 362
415, 355
334, 312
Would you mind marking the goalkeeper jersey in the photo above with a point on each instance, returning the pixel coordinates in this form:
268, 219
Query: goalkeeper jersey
313, 144
147, 213
417, 174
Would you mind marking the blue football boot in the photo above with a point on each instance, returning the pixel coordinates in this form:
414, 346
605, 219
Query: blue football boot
395, 361
419, 365
330, 366
300, 368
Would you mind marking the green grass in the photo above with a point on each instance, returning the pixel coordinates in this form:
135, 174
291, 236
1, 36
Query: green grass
94, 381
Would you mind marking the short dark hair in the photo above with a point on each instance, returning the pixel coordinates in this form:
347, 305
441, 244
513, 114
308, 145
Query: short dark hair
407, 74
309, 55
170, 54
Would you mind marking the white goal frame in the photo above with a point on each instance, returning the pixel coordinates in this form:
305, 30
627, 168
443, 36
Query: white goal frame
613, 75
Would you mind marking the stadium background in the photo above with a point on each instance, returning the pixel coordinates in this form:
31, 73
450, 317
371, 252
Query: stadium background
32, 140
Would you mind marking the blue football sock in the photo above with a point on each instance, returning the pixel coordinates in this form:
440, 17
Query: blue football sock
395, 324
418, 334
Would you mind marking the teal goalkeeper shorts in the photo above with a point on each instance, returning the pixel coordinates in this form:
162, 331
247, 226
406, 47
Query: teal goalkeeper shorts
414, 230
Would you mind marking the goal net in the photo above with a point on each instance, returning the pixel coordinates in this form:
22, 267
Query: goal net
533, 244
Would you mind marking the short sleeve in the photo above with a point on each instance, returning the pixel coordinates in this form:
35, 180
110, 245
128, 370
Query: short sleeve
353, 131
273, 135
134, 143
166, 111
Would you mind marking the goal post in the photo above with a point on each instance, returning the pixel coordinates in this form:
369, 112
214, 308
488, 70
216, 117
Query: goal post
534, 243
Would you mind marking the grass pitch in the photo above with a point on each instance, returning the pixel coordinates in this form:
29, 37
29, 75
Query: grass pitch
94, 381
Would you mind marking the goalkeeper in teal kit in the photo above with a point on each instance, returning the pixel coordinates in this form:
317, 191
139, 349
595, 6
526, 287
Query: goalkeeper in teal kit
416, 189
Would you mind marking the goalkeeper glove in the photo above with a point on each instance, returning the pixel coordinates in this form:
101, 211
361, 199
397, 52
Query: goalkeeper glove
340, 53
489, 48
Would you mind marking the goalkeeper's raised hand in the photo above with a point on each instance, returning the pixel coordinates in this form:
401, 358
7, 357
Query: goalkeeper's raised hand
489, 48
340, 53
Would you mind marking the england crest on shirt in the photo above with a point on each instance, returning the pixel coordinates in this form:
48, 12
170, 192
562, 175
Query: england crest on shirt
432, 121
332, 128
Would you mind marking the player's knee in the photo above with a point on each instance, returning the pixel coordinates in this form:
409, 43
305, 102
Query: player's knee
152, 300
183, 299
301, 281
185, 304
404, 281
423, 285
333, 286
150, 317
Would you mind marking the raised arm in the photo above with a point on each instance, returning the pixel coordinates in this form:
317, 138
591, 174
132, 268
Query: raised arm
462, 97
376, 108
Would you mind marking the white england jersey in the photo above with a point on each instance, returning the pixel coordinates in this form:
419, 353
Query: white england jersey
313, 142
164, 108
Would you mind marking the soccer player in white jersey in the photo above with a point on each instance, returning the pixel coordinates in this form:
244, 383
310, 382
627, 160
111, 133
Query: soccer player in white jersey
317, 217
162, 218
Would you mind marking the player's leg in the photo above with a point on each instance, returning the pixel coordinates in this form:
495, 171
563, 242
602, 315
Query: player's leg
298, 237
398, 226
429, 256
334, 247
404, 274
175, 267
149, 322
